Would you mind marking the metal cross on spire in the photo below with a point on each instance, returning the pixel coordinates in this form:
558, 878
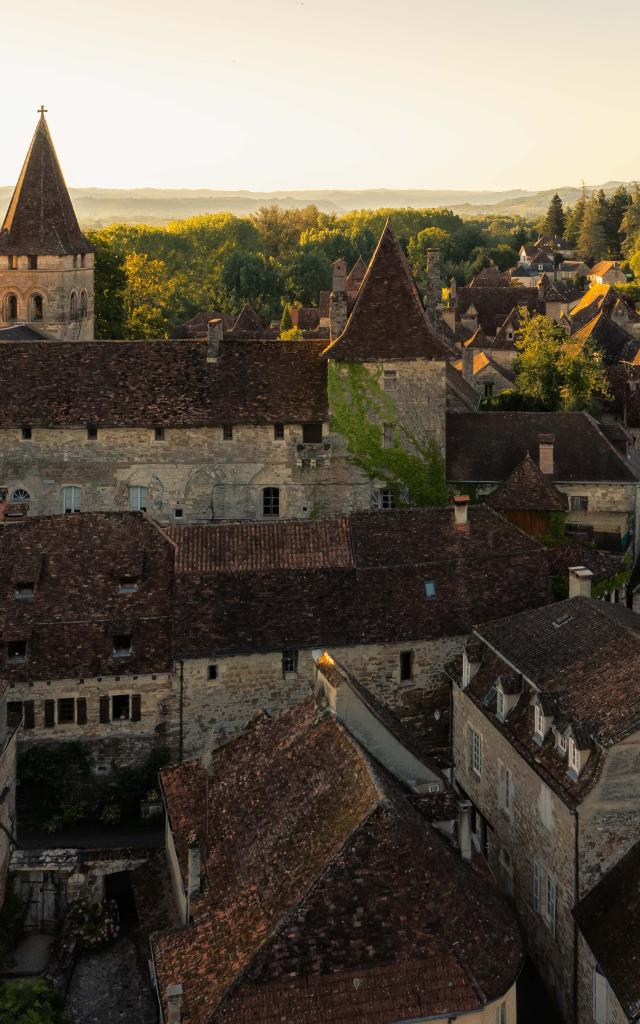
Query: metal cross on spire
42, 110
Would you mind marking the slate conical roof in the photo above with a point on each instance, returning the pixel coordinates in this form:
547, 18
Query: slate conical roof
388, 320
41, 220
527, 489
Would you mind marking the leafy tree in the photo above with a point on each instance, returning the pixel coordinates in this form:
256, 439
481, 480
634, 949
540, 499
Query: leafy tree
552, 370
575, 217
592, 242
617, 206
306, 275
110, 286
553, 224
147, 289
286, 323
30, 1002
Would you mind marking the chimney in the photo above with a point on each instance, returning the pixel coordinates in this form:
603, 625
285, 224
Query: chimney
453, 291
194, 866
467, 363
214, 337
545, 453
338, 300
580, 581
464, 828
174, 1002
461, 511
434, 286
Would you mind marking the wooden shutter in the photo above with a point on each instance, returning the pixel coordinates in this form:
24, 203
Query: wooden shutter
81, 710
29, 714
104, 709
49, 713
136, 707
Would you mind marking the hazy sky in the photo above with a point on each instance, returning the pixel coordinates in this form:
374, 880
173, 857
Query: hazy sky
269, 94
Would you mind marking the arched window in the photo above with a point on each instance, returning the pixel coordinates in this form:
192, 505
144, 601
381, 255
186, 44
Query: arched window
73, 306
11, 307
20, 495
35, 307
83, 304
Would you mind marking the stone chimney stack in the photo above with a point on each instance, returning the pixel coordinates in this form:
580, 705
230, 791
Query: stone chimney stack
338, 299
580, 581
174, 1001
434, 286
467, 363
545, 453
214, 337
464, 829
461, 511
453, 291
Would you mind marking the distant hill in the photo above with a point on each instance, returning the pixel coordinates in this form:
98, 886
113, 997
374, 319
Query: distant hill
99, 206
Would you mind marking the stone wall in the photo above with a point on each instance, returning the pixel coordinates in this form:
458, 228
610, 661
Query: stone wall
56, 279
526, 840
419, 397
586, 969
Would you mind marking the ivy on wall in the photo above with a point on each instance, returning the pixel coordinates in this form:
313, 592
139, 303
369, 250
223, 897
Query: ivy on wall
413, 469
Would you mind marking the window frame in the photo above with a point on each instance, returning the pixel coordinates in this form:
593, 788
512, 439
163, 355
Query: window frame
385, 501
474, 751
573, 755
312, 432
75, 493
278, 431
271, 502
227, 431
212, 672
20, 649
538, 721
159, 435
578, 502
290, 661
389, 380
26, 434
406, 666
545, 806
69, 704
113, 697
119, 649
137, 505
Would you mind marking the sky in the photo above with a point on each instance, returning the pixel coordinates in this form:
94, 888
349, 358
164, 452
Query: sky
278, 94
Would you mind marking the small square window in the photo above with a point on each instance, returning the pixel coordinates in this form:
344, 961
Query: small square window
25, 434
389, 380
16, 650
121, 645
312, 433
178, 513
24, 590
385, 498
212, 672
278, 432
227, 432
66, 710
32, 262
120, 707
430, 589
579, 503
289, 661
92, 432
158, 434
128, 584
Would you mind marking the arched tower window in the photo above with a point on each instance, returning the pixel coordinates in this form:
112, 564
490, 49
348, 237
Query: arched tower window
73, 306
35, 307
11, 307
83, 304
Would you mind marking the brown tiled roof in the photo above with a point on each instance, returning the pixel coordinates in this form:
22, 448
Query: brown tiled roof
40, 219
477, 340
613, 341
481, 360
462, 388
76, 563
248, 324
380, 597
597, 297
355, 276
166, 383
527, 489
490, 277
306, 890
197, 326
487, 446
609, 919
603, 266
305, 318
493, 304
602, 564
388, 320
21, 332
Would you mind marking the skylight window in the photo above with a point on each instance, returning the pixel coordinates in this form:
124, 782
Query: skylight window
562, 620
430, 589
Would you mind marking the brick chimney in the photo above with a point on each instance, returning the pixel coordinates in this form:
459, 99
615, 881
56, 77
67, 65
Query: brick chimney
580, 581
338, 299
545, 453
467, 363
464, 829
174, 1002
461, 511
214, 337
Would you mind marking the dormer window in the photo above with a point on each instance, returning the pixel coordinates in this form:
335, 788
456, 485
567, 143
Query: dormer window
122, 645
128, 584
16, 651
540, 724
24, 590
561, 743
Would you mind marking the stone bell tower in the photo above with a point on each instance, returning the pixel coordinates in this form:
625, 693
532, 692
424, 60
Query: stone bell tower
46, 263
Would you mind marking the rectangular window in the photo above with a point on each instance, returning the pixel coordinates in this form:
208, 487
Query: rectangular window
158, 434
278, 432
12, 262
385, 499
501, 1014
505, 788
92, 432
121, 645
550, 904
138, 498
561, 743
25, 434
128, 585
387, 435
389, 380
16, 651
574, 757
289, 662
227, 432
66, 710
24, 590
546, 812
120, 707
475, 751
104, 709
600, 997
579, 503
212, 672
28, 709
49, 714
406, 665
70, 499
14, 713
538, 721
32, 262
501, 705
178, 513
430, 589
312, 433
271, 502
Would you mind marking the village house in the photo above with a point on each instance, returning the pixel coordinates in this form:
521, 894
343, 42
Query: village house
546, 737
607, 272
311, 882
483, 372
486, 304
598, 476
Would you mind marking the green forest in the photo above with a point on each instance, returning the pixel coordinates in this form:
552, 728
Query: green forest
151, 279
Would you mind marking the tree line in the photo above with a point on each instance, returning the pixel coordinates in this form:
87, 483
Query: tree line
598, 226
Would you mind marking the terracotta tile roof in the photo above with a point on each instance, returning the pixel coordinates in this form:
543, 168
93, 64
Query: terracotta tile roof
301, 902
481, 360
76, 563
380, 598
603, 266
609, 919
559, 291
494, 304
595, 298
40, 219
388, 320
167, 383
487, 446
527, 489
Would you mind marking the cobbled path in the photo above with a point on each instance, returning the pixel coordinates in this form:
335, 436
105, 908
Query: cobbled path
109, 987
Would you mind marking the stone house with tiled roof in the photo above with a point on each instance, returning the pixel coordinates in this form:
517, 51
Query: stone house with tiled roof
313, 884
546, 736
607, 272
482, 371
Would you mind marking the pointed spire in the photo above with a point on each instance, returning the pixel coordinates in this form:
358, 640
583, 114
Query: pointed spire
41, 219
388, 319
527, 489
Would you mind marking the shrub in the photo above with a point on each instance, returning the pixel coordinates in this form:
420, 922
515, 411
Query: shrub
92, 924
30, 1002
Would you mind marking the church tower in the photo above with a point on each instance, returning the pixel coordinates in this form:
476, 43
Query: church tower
46, 263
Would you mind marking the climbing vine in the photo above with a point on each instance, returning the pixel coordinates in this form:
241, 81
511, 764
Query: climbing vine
412, 469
